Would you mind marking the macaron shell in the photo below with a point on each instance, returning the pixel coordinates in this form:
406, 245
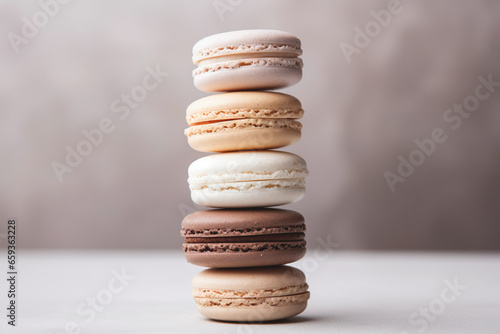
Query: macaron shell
230, 223
246, 41
258, 293
244, 104
242, 113
248, 259
252, 311
243, 135
246, 239
246, 166
226, 77
265, 193
249, 278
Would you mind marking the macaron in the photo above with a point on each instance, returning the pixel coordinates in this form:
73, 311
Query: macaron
247, 60
243, 238
250, 294
246, 120
247, 179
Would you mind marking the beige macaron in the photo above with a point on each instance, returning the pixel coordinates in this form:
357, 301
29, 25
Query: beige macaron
247, 120
250, 294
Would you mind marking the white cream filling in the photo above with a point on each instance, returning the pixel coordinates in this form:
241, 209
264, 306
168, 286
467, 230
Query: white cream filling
225, 177
250, 185
221, 59
241, 63
246, 49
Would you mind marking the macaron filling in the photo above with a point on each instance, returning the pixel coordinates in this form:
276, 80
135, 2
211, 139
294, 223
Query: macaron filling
261, 242
253, 302
291, 175
250, 242
246, 49
234, 231
243, 247
248, 238
211, 116
242, 124
249, 180
220, 121
217, 293
295, 294
225, 64
251, 186
253, 55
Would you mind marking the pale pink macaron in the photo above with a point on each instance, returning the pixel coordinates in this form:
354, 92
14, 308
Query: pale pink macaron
247, 60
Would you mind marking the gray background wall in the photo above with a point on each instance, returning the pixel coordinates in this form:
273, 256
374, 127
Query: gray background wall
131, 191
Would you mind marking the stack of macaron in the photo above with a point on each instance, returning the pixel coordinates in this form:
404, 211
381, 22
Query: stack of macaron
245, 243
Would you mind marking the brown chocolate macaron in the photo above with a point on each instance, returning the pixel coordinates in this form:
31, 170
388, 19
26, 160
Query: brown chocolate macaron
243, 238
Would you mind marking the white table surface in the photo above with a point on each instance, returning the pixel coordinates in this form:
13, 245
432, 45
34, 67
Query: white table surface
351, 292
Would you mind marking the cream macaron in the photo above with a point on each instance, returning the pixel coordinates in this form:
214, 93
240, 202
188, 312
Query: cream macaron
246, 120
247, 179
250, 294
247, 60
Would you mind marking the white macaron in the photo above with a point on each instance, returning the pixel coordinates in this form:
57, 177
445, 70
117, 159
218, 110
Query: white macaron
247, 179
